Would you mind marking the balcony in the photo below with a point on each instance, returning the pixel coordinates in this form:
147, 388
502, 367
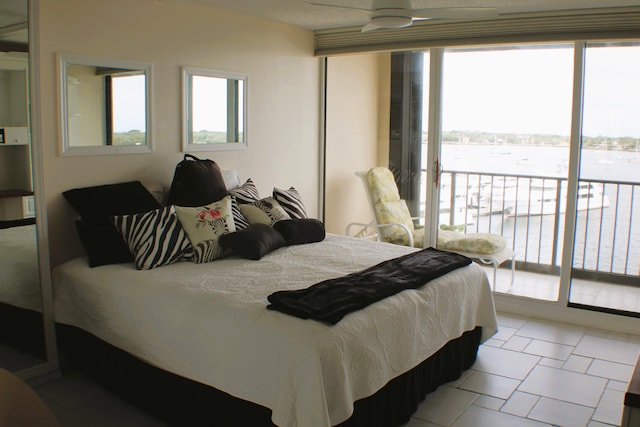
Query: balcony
529, 211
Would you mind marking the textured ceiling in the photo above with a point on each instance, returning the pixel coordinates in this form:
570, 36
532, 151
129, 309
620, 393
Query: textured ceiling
302, 14
13, 13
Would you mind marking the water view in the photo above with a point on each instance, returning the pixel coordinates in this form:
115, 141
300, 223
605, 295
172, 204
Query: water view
519, 191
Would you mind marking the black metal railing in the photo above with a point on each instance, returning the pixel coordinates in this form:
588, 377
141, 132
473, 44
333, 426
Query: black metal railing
529, 211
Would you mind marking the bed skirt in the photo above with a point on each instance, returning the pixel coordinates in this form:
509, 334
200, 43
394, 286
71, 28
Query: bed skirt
22, 329
178, 401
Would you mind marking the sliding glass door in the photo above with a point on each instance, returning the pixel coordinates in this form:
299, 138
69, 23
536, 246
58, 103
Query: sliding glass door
606, 253
506, 121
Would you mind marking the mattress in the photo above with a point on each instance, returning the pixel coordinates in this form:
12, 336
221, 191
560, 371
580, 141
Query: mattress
19, 266
209, 323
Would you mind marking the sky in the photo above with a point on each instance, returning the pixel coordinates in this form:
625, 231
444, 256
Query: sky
129, 103
530, 91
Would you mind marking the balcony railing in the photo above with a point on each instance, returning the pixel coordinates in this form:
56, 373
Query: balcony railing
529, 211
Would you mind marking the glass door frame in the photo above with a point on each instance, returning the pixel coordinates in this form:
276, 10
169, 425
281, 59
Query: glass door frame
434, 162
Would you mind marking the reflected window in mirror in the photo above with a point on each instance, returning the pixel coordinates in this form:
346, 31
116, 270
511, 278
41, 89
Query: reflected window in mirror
105, 106
214, 110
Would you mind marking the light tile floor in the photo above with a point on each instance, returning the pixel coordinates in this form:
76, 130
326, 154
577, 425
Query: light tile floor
587, 292
531, 373
538, 373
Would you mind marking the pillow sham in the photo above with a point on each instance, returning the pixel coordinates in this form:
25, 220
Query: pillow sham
299, 231
155, 238
253, 242
264, 211
96, 205
291, 202
246, 193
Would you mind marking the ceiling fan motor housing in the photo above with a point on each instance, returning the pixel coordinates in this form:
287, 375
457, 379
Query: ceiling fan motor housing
391, 13
391, 20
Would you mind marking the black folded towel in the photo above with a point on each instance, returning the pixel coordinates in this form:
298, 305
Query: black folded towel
330, 300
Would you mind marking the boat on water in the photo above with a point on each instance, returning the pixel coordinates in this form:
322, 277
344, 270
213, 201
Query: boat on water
539, 198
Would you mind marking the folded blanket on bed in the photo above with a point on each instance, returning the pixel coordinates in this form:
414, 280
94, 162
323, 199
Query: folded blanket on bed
330, 300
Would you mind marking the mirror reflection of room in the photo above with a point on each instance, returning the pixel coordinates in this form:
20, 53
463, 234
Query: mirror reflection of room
105, 106
21, 331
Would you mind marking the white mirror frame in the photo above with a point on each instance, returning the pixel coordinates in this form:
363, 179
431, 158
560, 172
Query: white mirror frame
65, 149
186, 98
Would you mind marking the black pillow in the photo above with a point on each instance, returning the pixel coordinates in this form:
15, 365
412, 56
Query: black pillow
253, 242
103, 244
299, 231
196, 182
96, 205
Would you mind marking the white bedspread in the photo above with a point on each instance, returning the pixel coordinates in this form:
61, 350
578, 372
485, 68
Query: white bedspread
209, 323
20, 283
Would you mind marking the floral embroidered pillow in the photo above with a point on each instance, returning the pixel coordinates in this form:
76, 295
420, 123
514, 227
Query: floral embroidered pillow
207, 224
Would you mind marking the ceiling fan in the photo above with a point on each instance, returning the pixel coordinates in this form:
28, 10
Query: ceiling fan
399, 13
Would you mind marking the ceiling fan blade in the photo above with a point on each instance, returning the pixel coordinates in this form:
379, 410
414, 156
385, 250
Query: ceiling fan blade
455, 13
369, 27
342, 6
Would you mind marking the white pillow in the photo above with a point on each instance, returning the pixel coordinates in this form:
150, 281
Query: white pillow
207, 224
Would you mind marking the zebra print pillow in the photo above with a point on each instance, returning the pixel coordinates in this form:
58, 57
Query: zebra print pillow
208, 250
155, 238
246, 193
239, 219
291, 202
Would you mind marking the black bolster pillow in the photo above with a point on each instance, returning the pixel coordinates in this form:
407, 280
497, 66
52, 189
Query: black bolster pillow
253, 242
299, 231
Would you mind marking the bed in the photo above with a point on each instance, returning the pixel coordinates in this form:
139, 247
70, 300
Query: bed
20, 297
208, 323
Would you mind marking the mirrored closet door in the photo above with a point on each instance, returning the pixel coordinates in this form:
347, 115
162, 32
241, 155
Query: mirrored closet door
22, 336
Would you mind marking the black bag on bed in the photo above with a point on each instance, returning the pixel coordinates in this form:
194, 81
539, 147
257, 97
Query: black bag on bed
196, 182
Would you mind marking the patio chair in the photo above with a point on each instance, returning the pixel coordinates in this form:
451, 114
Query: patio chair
392, 223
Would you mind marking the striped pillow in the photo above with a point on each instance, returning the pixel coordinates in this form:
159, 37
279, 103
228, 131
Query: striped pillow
291, 202
246, 193
239, 219
207, 251
155, 238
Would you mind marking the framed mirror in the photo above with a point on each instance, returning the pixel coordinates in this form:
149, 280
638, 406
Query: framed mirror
214, 115
105, 105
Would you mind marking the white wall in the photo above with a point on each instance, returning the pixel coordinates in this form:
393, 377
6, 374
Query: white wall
357, 133
283, 75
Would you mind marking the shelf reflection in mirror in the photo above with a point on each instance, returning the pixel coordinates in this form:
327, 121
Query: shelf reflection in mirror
22, 338
214, 110
105, 105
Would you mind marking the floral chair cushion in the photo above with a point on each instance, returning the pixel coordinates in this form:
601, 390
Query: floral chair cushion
394, 212
382, 185
479, 243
